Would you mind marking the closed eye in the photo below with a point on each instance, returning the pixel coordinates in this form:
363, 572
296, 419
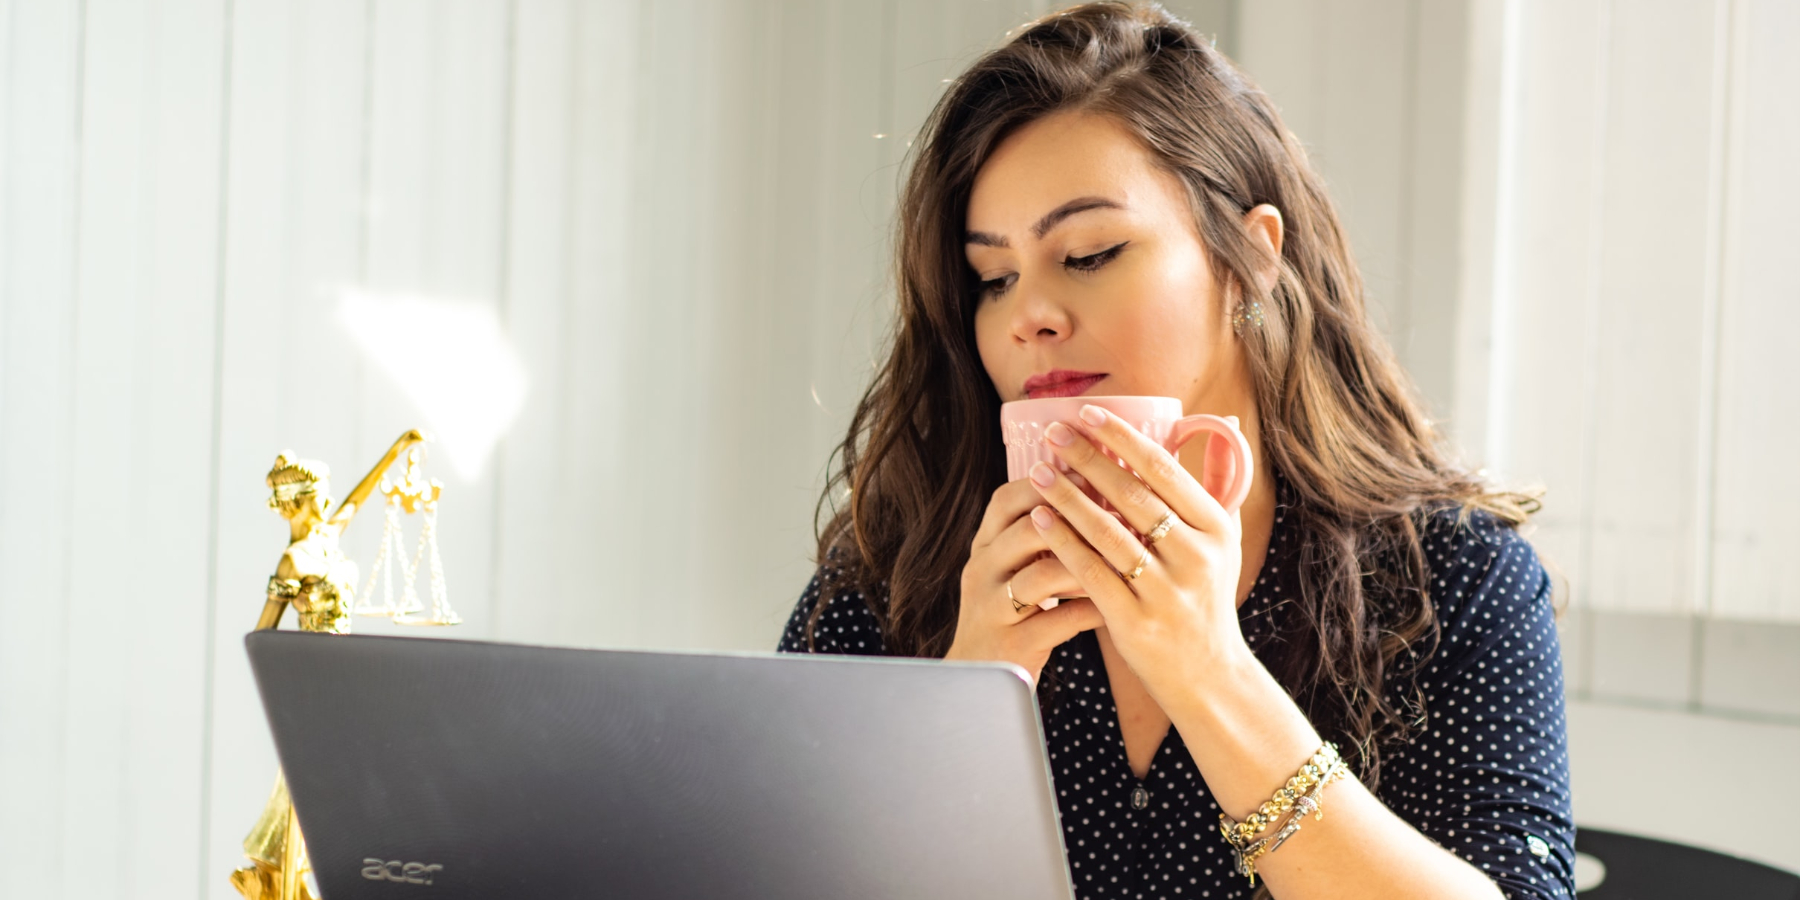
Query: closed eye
1095, 261
994, 287
1090, 263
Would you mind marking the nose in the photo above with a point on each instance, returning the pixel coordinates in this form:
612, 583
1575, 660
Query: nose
1037, 316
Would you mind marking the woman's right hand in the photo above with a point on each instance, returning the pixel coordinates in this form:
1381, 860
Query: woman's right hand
1006, 548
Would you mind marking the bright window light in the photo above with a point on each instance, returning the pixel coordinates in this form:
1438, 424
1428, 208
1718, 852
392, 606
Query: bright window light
450, 358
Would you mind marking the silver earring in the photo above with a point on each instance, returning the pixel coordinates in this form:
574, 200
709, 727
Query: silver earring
1249, 315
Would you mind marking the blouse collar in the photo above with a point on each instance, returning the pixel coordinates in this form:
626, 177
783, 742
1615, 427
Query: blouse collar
1276, 584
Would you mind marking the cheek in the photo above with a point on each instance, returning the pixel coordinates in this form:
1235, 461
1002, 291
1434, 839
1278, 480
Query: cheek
990, 339
1171, 333
1186, 287
1155, 337
1181, 296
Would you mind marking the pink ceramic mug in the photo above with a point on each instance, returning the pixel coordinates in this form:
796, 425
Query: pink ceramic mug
1022, 424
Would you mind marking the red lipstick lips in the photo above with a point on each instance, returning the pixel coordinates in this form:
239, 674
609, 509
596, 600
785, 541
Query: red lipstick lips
1061, 383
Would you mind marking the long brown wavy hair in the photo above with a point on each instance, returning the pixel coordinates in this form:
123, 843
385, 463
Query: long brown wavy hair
1342, 424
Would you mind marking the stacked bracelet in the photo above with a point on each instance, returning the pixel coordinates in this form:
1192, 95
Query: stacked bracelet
1272, 809
1300, 794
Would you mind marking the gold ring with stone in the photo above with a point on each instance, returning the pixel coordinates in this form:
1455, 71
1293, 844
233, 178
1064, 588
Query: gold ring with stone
1139, 568
1161, 529
1017, 606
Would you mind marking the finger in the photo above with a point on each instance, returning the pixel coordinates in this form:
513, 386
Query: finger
1013, 550
1081, 481
1096, 526
1006, 505
1099, 580
1138, 506
1054, 627
1157, 468
1016, 608
1043, 579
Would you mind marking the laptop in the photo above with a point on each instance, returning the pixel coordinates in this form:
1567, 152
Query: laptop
448, 769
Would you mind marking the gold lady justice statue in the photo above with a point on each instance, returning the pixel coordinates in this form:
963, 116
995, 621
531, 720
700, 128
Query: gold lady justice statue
317, 580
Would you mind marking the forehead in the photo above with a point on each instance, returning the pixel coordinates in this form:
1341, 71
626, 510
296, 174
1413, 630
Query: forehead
1050, 160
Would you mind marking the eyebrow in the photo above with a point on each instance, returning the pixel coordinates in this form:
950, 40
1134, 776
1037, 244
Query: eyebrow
1043, 226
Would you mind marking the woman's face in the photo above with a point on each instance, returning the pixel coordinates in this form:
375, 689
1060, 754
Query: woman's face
1095, 280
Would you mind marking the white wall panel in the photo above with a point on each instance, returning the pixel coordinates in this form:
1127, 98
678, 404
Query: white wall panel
37, 385
759, 408
1554, 302
1420, 307
1648, 386
1281, 44
436, 193
563, 495
1375, 92
399, 150
109, 261
293, 181
734, 439
647, 577
175, 381
838, 194
1654, 306
535, 514
1756, 574
932, 42
841, 239
143, 404
1363, 143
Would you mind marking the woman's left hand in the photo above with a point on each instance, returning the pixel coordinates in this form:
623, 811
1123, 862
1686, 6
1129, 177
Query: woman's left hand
1177, 619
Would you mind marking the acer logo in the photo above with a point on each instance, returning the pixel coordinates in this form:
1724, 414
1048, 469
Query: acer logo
399, 870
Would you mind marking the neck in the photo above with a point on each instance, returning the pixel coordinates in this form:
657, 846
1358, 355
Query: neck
301, 527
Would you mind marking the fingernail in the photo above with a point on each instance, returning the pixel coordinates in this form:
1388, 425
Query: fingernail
1059, 434
1234, 421
1042, 517
1093, 415
1042, 476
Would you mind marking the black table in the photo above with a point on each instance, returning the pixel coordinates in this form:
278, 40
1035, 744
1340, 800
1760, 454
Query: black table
1639, 868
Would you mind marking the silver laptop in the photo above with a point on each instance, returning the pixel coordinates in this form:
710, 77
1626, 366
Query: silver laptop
448, 769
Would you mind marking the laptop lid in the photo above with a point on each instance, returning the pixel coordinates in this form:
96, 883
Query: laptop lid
503, 770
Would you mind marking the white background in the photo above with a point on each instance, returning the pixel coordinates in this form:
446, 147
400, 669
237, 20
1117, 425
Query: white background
1572, 216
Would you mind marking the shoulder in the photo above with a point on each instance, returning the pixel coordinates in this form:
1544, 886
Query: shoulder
1476, 560
1488, 588
837, 612
1485, 774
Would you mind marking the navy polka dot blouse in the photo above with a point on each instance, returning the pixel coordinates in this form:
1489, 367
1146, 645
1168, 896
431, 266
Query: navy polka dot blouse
1487, 776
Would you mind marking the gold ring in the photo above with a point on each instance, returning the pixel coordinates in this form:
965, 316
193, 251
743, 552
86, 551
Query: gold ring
1017, 606
1161, 530
1139, 568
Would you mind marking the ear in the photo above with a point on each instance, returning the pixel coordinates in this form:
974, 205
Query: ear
1263, 226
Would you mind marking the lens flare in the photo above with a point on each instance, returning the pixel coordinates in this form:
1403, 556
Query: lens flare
449, 357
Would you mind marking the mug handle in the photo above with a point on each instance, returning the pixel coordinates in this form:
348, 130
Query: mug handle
1242, 467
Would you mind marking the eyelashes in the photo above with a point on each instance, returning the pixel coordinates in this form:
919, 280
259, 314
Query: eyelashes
1095, 261
1090, 263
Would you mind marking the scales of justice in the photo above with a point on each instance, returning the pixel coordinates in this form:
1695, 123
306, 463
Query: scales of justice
317, 579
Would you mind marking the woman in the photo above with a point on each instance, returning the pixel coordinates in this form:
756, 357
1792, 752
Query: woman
1106, 206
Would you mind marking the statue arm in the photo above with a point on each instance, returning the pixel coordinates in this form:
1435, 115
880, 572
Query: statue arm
347, 510
271, 614
274, 606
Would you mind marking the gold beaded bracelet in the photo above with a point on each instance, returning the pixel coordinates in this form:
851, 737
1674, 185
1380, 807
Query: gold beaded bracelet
1247, 858
1300, 791
1239, 834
